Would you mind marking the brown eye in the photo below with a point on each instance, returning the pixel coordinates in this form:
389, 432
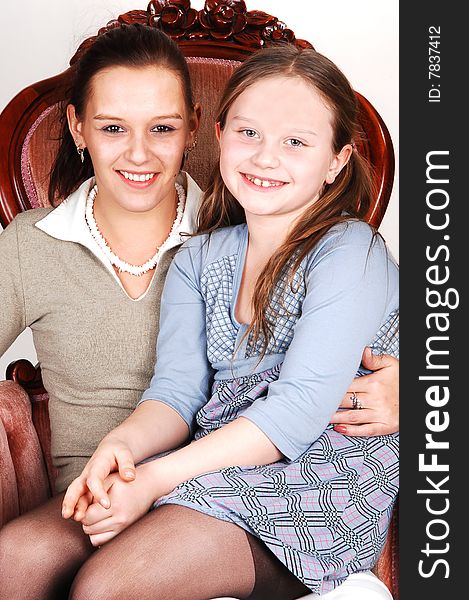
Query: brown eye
113, 129
162, 129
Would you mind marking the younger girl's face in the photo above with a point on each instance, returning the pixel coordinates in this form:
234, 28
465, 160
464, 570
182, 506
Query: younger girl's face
136, 126
276, 147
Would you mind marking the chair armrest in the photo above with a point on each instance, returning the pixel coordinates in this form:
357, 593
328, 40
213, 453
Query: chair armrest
8, 490
26, 483
29, 378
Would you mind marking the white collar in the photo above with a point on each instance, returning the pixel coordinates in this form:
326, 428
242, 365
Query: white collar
67, 221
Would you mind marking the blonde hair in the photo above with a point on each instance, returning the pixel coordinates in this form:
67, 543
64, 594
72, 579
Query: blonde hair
351, 193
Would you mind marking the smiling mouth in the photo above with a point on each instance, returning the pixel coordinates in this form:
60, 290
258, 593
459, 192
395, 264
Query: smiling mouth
264, 183
137, 177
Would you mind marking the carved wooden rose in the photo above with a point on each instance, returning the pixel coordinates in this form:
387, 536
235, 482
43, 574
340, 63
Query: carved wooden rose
223, 19
174, 17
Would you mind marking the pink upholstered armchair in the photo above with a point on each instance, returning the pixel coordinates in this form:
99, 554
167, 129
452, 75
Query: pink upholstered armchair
214, 41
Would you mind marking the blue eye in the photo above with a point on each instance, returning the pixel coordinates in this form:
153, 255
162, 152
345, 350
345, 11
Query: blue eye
113, 129
250, 133
294, 143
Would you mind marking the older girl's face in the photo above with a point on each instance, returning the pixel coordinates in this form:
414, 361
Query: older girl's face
276, 147
136, 127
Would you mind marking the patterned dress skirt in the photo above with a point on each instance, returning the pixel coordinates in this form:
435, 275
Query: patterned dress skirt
324, 515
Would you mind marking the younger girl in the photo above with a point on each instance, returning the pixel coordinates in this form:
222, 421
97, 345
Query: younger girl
262, 327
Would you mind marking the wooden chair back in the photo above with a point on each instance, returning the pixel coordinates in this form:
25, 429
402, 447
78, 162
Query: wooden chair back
214, 40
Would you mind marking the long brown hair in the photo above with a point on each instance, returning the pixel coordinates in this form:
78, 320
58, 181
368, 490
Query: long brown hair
349, 196
134, 46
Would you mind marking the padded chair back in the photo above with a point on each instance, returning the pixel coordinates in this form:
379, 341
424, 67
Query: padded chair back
37, 144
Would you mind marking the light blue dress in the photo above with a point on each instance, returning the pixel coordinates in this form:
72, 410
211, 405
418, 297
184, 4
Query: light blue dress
323, 510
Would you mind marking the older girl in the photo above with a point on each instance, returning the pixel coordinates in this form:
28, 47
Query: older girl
262, 326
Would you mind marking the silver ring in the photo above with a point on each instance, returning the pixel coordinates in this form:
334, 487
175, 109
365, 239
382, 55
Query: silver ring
356, 404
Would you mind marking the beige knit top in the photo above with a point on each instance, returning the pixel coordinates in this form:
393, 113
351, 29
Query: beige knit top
96, 345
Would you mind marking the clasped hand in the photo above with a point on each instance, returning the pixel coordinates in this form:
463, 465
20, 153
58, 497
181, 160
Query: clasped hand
110, 494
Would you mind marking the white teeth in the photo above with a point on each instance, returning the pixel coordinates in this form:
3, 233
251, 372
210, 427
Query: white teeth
263, 182
137, 177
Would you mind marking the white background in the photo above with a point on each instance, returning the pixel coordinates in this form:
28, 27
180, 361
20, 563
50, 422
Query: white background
361, 37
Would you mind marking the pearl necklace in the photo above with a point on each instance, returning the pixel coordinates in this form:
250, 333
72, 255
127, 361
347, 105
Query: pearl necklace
120, 264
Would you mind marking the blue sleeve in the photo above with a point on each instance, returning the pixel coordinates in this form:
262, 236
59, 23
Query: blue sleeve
182, 376
351, 283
